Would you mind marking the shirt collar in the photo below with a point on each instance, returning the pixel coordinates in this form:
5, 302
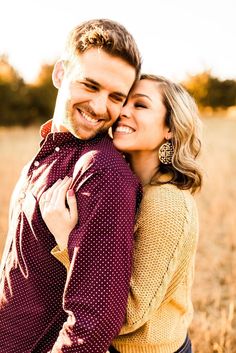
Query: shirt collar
45, 130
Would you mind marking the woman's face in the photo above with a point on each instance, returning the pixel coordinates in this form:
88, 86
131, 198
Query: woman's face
141, 126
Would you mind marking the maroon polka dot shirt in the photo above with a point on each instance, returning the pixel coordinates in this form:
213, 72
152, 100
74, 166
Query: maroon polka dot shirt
46, 309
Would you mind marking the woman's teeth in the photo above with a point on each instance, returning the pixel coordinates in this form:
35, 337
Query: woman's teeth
124, 129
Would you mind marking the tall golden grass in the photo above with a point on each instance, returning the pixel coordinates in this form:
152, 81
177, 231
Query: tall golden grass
214, 293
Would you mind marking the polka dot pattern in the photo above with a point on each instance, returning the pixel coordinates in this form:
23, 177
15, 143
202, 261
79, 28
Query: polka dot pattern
46, 309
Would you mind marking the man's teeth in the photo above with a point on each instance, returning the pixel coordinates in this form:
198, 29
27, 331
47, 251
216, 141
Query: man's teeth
124, 129
88, 118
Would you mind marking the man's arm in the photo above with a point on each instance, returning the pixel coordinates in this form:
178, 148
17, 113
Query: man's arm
100, 251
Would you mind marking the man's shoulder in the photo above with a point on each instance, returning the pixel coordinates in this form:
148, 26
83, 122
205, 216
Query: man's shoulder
106, 157
105, 147
101, 158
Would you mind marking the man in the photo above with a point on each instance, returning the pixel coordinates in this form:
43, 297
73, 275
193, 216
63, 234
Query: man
99, 66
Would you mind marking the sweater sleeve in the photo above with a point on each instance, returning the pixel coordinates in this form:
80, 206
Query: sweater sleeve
161, 231
160, 234
100, 250
62, 256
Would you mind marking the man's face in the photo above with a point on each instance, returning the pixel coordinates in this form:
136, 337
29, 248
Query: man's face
91, 93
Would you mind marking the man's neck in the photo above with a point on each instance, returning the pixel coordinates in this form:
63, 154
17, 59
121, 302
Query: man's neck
57, 127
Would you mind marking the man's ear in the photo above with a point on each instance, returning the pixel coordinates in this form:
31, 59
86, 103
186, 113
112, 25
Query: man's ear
58, 73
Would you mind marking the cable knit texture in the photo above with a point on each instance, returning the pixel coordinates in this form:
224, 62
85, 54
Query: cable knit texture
159, 309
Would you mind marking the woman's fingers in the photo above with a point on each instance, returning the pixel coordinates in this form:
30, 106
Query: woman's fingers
55, 196
72, 203
59, 219
46, 196
58, 196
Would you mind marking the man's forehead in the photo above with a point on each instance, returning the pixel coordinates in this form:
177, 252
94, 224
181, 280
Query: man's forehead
104, 69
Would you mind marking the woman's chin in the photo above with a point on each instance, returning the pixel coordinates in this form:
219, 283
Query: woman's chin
119, 145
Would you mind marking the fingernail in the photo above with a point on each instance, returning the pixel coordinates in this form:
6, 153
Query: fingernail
71, 192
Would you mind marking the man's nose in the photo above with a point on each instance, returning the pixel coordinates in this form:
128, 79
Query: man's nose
99, 104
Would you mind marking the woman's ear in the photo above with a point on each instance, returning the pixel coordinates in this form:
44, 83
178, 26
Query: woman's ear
168, 134
58, 73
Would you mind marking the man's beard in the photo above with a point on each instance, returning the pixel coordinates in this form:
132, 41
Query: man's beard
72, 125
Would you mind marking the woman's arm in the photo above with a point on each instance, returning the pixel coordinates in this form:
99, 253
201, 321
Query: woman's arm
160, 235
159, 239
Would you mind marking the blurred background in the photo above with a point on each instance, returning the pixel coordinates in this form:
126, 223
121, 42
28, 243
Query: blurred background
192, 42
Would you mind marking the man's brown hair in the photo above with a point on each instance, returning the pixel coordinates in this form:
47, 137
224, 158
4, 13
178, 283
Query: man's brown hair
107, 35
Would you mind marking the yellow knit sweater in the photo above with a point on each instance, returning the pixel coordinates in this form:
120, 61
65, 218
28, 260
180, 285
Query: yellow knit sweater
159, 309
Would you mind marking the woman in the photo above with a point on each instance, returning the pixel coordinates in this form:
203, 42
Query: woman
159, 133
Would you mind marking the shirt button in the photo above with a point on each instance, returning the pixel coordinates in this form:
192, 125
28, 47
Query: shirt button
22, 195
36, 163
57, 149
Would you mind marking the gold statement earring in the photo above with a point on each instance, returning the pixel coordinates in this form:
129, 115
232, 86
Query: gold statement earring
166, 152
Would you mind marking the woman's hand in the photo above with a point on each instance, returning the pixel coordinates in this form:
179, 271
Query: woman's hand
59, 217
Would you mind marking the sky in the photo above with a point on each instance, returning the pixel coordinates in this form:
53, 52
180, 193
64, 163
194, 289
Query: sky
176, 38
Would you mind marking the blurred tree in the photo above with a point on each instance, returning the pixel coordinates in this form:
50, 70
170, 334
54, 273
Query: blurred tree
197, 86
209, 91
221, 94
45, 75
14, 95
21, 103
43, 93
7, 73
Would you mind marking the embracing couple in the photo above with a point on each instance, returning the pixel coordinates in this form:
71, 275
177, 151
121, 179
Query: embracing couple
103, 226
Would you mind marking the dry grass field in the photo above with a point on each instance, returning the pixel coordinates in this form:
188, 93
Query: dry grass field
214, 294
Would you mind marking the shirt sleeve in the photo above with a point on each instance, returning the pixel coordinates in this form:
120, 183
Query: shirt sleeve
160, 235
100, 254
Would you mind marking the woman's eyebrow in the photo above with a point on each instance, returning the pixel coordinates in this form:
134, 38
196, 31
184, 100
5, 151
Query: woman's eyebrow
138, 95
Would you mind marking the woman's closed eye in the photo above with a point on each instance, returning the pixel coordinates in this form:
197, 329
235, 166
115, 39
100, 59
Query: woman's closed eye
140, 105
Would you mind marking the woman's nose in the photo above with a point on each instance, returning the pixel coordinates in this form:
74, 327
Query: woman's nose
125, 112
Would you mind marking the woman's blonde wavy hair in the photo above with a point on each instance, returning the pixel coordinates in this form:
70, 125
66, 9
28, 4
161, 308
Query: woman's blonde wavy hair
183, 120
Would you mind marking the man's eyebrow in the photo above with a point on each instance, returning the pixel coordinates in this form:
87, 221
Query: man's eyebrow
138, 95
93, 82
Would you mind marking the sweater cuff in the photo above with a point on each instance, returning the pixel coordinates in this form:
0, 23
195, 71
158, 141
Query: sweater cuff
62, 256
